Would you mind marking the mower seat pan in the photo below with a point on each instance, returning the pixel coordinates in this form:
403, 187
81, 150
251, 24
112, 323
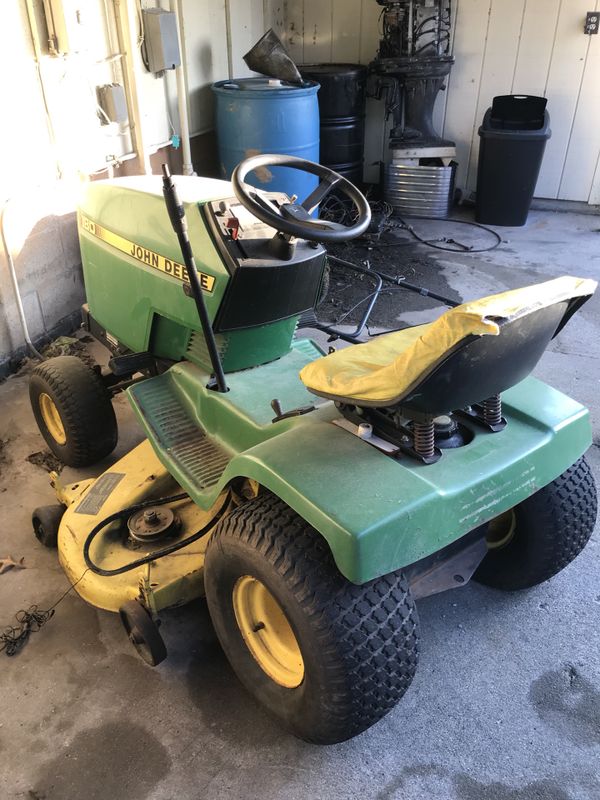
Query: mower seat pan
389, 368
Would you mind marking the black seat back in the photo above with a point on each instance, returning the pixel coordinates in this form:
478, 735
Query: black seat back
482, 366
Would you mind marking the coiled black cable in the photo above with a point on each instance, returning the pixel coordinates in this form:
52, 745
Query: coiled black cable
29, 620
459, 249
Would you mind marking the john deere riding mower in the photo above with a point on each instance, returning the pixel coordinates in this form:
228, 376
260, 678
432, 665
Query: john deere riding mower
311, 497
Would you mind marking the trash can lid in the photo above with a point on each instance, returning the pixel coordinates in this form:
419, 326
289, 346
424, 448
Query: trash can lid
520, 112
488, 130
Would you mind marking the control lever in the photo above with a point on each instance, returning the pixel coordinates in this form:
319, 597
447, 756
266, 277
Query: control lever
179, 223
295, 412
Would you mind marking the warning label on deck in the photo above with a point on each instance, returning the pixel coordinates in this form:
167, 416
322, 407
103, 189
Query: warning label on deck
143, 254
99, 492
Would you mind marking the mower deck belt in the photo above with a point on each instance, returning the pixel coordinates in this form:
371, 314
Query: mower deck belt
382, 371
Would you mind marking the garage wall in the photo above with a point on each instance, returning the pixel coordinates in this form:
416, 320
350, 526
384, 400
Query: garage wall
501, 47
39, 223
49, 137
217, 33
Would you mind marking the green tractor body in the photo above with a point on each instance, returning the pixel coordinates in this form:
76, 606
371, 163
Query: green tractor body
310, 498
134, 277
377, 513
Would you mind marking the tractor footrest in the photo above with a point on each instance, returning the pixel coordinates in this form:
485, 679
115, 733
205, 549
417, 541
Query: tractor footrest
180, 441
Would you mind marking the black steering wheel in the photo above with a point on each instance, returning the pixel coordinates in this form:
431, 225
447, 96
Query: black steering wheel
294, 218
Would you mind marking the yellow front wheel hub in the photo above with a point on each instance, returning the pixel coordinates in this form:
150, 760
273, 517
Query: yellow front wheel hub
267, 632
52, 419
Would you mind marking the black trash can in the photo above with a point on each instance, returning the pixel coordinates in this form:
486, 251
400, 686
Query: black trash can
513, 138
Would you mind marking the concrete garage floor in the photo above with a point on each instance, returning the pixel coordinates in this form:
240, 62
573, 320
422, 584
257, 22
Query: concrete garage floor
505, 704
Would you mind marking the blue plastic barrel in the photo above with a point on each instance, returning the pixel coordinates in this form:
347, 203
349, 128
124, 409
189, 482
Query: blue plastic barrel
262, 115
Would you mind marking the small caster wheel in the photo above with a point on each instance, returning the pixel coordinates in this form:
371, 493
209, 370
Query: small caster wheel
46, 521
143, 632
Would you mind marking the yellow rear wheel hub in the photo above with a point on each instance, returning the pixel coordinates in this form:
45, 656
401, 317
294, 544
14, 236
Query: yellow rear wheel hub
267, 632
52, 419
501, 530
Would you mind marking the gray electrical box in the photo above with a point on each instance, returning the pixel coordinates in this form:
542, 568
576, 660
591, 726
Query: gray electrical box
160, 39
111, 99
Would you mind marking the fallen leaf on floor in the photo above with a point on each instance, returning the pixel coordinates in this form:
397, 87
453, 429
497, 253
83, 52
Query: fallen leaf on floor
46, 461
9, 562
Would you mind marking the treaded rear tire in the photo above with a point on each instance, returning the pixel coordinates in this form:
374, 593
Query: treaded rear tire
551, 528
359, 643
84, 406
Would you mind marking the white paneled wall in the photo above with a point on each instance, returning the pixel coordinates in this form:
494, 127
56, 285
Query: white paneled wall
501, 47
217, 35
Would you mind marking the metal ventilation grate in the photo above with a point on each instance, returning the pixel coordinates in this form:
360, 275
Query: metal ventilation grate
197, 352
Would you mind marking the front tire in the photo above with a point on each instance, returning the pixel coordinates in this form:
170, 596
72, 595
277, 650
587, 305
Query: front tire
73, 410
326, 657
544, 533
46, 522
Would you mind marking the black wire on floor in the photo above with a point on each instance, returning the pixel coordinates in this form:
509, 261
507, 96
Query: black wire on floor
31, 620
460, 248
335, 210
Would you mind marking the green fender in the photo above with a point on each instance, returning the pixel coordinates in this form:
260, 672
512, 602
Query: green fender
379, 514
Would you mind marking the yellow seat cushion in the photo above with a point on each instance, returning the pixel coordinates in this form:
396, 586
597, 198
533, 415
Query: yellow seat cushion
383, 370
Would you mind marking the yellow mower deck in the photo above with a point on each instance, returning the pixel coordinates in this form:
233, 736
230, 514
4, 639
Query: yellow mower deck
172, 580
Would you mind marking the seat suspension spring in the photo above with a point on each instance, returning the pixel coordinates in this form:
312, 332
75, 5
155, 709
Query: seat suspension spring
424, 437
492, 410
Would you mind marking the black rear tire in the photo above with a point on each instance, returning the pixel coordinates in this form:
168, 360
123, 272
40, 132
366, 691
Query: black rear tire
46, 522
86, 428
359, 644
550, 529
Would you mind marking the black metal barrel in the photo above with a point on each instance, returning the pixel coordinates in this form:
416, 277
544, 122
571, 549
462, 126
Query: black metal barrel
342, 98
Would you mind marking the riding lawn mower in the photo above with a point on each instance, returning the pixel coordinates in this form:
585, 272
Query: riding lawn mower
313, 498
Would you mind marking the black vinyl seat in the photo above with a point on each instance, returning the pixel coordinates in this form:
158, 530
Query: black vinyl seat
473, 351
462, 362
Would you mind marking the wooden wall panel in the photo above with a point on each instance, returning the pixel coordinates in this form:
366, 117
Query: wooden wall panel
273, 16
205, 30
318, 32
375, 127
346, 25
439, 111
584, 142
293, 18
535, 47
246, 25
497, 71
470, 38
369, 30
562, 90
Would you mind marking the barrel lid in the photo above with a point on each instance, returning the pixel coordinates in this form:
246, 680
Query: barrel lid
332, 69
263, 85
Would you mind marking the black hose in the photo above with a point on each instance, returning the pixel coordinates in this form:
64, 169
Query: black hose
420, 239
165, 551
